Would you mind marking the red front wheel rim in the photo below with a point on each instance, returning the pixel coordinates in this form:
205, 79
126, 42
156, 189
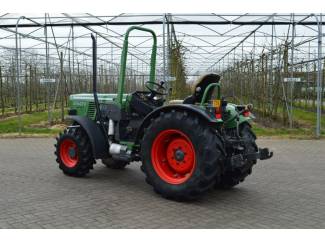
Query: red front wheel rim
69, 153
173, 156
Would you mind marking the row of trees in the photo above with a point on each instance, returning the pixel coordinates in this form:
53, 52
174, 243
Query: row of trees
264, 82
252, 80
71, 79
36, 96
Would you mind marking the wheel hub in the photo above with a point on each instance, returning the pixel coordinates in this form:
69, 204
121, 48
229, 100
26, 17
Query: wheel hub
72, 152
68, 153
173, 156
179, 155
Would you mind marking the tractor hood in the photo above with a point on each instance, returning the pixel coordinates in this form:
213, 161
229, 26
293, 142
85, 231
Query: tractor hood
84, 104
89, 97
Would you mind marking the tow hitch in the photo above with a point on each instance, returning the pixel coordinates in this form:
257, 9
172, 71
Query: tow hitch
262, 154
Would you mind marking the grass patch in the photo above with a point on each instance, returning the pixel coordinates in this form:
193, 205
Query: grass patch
10, 124
306, 130
307, 117
296, 133
10, 111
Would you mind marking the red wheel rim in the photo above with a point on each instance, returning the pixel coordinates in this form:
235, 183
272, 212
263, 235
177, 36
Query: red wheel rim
173, 156
69, 153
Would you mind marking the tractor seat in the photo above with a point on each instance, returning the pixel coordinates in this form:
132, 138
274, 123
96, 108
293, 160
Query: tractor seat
201, 84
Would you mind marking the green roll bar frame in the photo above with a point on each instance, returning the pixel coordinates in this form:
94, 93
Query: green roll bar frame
210, 86
121, 81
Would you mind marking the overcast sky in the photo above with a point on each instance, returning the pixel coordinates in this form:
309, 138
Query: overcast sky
205, 46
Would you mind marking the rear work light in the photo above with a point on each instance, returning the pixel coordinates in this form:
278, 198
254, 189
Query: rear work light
248, 109
218, 113
217, 105
246, 113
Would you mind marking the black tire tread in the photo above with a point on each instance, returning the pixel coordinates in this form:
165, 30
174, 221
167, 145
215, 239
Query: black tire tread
206, 146
86, 160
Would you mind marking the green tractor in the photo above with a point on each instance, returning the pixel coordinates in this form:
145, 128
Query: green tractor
186, 147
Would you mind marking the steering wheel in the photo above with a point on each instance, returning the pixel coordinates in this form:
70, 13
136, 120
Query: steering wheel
155, 89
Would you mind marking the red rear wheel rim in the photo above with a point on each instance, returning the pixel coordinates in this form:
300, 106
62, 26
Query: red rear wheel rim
69, 153
173, 156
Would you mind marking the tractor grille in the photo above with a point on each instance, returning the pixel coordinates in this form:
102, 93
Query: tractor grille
91, 110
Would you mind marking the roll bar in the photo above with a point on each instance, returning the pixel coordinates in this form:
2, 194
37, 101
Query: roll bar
121, 81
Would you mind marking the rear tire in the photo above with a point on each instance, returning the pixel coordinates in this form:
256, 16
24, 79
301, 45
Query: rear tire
114, 164
73, 152
232, 178
180, 156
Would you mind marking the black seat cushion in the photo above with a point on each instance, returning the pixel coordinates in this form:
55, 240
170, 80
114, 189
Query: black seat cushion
201, 84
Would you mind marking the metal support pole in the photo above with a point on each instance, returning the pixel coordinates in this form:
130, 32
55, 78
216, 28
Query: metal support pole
271, 73
223, 66
169, 46
62, 83
229, 75
112, 79
319, 76
308, 73
48, 84
72, 45
164, 49
18, 77
137, 77
242, 71
254, 73
292, 83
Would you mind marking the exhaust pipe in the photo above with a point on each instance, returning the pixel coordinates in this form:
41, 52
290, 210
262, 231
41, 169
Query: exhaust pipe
120, 152
98, 113
117, 151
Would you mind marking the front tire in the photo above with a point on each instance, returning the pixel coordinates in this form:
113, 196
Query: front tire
73, 152
180, 156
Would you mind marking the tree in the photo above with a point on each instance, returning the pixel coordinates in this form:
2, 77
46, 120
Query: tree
179, 87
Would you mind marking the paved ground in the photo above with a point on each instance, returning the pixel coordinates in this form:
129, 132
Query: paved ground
287, 191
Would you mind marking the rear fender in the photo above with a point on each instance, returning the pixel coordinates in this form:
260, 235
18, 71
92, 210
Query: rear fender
244, 119
231, 122
176, 107
95, 134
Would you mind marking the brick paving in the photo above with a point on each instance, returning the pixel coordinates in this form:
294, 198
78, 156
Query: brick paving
284, 192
